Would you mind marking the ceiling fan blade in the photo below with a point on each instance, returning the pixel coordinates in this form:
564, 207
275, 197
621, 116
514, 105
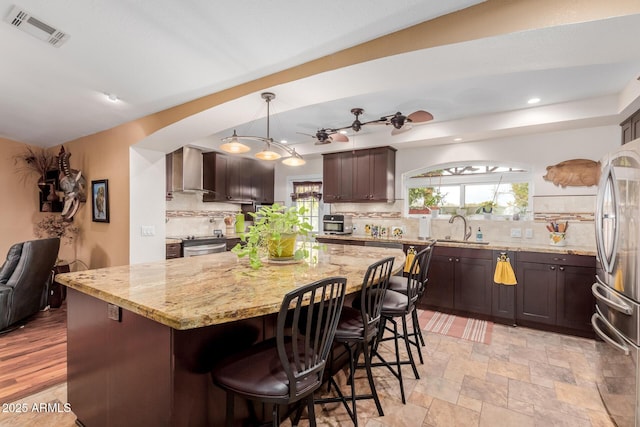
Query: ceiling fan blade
420, 116
339, 137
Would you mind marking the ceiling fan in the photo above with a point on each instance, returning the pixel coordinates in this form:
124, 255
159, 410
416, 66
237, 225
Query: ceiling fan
327, 136
399, 121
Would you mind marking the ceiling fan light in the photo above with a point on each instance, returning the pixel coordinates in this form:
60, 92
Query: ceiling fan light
397, 120
267, 154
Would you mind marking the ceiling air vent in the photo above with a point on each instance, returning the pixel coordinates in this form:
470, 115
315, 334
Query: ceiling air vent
24, 21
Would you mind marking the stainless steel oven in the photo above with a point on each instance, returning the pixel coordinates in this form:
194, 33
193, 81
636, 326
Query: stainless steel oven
202, 245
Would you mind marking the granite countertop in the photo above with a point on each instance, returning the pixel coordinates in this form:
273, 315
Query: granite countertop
187, 293
517, 246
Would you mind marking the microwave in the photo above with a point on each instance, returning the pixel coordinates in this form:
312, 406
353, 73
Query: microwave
337, 224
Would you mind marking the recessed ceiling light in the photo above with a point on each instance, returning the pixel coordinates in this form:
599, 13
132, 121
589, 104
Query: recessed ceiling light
533, 101
457, 139
344, 132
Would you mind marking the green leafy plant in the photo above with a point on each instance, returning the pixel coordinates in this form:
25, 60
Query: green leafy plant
435, 198
277, 232
486, 207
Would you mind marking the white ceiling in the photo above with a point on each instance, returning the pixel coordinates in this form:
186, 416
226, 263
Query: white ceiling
157, 54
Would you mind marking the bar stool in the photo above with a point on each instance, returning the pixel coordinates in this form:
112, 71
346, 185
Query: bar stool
357, 330
288, 368
400, 305
399, 284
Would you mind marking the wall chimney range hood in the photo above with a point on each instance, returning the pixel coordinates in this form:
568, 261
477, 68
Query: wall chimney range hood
184, 168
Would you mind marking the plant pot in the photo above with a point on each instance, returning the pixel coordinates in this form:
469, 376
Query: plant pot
283, 248
435, 212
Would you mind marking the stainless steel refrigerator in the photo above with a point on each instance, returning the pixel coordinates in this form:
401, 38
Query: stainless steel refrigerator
617, 286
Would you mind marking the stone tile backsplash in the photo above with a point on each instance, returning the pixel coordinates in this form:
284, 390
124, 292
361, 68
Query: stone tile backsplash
578, 211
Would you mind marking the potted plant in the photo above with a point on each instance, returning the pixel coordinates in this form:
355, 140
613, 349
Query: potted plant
486, 207
434, 201
278, 232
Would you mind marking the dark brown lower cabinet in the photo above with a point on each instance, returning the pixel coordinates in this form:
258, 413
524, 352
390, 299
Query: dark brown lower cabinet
439, 292
575, 301
460, 279
503, 303
555, 290
536, 295
473, 281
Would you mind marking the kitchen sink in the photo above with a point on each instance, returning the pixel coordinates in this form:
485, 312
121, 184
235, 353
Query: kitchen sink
464, 242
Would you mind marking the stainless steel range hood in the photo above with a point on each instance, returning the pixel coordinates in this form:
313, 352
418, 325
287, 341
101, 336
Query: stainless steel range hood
184, 169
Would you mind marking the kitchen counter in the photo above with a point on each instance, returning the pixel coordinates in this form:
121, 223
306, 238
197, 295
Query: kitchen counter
517, 246
142, 339
185, 293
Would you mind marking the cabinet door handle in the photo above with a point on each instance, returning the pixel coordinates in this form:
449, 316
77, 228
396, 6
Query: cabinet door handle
561, 268
552, 267
450, 259
457, 259
559, 259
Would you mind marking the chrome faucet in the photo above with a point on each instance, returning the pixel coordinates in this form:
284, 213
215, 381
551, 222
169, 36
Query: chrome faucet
467, 234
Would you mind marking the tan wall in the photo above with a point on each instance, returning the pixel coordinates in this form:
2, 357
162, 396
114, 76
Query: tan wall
19, 199
105, 155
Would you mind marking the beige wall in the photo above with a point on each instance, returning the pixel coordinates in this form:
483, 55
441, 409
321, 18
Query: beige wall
19, 196
105, 155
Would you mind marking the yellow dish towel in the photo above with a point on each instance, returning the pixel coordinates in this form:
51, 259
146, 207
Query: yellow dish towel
408, 261
504, 272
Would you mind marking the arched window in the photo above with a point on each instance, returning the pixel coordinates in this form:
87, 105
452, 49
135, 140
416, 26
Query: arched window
468, 188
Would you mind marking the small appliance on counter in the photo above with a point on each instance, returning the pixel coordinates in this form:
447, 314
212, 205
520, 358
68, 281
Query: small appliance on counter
337, 224
424, 228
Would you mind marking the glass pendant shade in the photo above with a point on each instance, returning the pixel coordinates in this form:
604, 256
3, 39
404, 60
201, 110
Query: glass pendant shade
267, 154
234, 146
294, 159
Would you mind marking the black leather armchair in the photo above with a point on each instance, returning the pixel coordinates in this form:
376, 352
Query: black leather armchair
25, 277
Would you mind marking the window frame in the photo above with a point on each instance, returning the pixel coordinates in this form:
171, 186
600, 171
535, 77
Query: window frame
462, 180
301, 178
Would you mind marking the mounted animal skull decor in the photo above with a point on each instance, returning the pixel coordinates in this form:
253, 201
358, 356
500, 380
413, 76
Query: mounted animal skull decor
576, 172
72, 183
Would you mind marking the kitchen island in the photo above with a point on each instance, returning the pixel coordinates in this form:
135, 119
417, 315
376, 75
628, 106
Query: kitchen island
143, 338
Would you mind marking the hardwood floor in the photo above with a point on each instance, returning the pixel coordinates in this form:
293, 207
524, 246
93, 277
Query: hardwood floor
34, 357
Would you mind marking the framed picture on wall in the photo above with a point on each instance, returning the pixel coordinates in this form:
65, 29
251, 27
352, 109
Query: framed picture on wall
100, 200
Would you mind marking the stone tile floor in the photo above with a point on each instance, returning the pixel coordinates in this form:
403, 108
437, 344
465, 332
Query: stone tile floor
523, 378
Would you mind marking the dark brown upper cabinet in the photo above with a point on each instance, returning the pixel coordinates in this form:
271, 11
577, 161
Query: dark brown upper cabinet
337, 177
631, 128
360, 176
237, 179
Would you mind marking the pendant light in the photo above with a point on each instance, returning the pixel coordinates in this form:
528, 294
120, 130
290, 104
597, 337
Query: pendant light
294, 160
234, 146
